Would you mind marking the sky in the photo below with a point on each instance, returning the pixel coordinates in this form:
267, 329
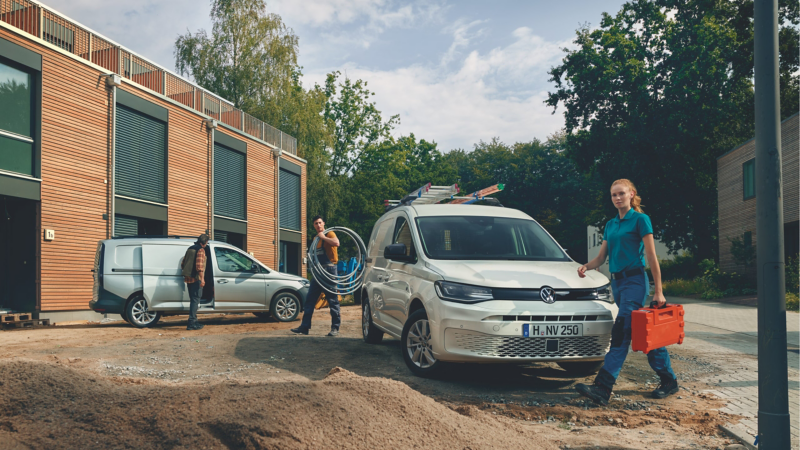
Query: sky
457, 72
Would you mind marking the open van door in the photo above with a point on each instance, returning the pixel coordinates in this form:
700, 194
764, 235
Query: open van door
162, 279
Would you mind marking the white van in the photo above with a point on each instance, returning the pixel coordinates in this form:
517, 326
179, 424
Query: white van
467, 283
140, 279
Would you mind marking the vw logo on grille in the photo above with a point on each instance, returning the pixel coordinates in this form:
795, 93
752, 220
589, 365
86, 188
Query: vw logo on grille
547, 294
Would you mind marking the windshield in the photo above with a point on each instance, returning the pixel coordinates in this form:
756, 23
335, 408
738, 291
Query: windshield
487, 238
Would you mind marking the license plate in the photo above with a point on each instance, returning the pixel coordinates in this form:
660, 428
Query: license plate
551, 330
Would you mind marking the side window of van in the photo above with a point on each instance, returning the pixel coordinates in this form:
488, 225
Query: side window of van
402, 235
229, 260
380, 241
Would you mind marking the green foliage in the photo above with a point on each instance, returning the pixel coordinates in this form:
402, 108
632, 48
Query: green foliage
792, 301
249, 58
683, 288
744, 253
357, 124
681, 267
792, 275
656, 93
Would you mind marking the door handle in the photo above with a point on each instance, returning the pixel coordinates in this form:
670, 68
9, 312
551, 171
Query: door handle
222, 281
388, 275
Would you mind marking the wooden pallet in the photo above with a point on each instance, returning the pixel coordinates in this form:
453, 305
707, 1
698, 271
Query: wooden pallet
18, 317
26, 323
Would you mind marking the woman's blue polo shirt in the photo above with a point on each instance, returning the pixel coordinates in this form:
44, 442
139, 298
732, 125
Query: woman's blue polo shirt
624, 237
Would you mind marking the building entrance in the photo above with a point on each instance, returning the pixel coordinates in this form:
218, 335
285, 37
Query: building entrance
18, 264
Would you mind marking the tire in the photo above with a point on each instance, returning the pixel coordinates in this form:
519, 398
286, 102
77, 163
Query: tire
124, 315
581, 367
285, 307
138, 315
416, 348
262, 315
371, 333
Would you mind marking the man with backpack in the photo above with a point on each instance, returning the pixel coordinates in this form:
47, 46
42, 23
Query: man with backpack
193, 269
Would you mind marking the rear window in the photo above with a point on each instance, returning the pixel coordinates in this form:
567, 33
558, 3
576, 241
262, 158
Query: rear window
487, 238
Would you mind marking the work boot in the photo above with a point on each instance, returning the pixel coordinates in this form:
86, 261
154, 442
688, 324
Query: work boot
598, 393
299, 330
334, 332
666, 388
195, 325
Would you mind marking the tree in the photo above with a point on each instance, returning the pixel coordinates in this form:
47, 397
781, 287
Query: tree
250, 57
357, 123
655, 94
742, 251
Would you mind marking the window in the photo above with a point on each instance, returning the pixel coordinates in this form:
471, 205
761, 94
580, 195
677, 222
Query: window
229, 260
229, 183
138, 226
141, 156
486, 238
402, 235
16, 124
289, 200
749, 179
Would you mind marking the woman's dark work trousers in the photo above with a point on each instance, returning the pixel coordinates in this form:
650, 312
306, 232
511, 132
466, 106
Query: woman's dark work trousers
630, 294
311, 302
195, 294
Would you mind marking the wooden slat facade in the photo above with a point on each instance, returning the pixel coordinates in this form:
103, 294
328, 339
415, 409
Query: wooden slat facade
736, 215
75, 194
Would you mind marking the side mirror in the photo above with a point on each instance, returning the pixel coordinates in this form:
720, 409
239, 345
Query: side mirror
254, 268
396, 252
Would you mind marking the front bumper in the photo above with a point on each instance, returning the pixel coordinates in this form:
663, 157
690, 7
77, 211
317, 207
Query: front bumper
492, 331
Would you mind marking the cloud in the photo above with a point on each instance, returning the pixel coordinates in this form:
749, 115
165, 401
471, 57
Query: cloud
371, 14
500, 93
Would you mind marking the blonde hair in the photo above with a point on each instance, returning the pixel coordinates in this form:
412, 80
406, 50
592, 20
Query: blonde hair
636, 201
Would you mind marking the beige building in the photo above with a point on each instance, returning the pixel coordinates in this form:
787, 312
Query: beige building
737, 196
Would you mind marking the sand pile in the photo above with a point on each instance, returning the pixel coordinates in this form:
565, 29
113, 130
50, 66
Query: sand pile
47, 405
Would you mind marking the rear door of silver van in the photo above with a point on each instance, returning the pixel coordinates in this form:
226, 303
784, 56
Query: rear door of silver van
162, 279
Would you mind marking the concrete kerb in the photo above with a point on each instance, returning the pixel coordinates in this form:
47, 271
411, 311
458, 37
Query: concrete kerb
740, 434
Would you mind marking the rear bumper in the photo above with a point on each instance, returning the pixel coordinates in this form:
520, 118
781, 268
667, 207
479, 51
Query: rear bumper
108, 303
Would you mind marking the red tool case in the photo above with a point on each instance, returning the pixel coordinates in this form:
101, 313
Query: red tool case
653, 328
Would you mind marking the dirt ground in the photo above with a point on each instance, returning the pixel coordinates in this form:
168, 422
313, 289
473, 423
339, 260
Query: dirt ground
245, 383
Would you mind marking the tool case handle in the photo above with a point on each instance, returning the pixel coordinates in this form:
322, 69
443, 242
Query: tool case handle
659, 314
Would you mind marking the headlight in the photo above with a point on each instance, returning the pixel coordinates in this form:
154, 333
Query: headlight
304, 282
462, 292
604, 294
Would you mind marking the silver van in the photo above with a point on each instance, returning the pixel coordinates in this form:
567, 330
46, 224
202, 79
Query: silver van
140, 279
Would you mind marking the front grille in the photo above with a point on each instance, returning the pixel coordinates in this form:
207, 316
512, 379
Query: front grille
521, 347
560, 318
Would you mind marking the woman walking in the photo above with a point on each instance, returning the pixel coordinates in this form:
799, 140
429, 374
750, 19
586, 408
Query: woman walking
627, 238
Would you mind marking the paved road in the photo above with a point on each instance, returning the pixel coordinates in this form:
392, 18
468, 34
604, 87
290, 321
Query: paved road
731, 332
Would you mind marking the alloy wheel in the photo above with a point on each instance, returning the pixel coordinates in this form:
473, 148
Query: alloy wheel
418, 344
365, 319
140, 314
286, 308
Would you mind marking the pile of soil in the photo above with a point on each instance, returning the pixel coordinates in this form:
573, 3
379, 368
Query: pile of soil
51, 405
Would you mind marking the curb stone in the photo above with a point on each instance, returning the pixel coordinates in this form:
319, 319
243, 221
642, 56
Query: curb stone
740, 435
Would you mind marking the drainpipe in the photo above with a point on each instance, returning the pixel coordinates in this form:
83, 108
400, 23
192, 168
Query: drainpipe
113, 80
211, 126
277, 153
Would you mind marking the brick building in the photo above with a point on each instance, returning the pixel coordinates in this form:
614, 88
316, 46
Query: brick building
737, 196
96, 141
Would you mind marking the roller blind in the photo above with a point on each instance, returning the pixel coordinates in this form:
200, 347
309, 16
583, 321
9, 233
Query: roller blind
125, 226
229, 182
289, 200
141, 153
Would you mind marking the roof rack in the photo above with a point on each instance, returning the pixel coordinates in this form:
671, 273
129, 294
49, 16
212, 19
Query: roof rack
428, 195
152, 236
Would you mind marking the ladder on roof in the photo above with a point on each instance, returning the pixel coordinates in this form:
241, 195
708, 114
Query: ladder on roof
428, 195
477, 195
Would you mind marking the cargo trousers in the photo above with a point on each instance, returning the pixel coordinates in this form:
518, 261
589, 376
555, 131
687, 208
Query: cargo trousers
630, 294
311, 301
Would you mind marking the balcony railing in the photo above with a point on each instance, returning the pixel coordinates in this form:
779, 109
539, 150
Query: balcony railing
40, 21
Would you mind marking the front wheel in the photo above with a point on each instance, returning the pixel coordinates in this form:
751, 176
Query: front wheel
581, 368
415, 343
285, 307
371, 333
138, 315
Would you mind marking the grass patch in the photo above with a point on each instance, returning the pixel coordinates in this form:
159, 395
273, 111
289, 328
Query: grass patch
682, 288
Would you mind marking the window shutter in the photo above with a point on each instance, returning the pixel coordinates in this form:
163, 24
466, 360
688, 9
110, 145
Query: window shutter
289, 200
125, 226
229, 183
221, 236
141, 150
